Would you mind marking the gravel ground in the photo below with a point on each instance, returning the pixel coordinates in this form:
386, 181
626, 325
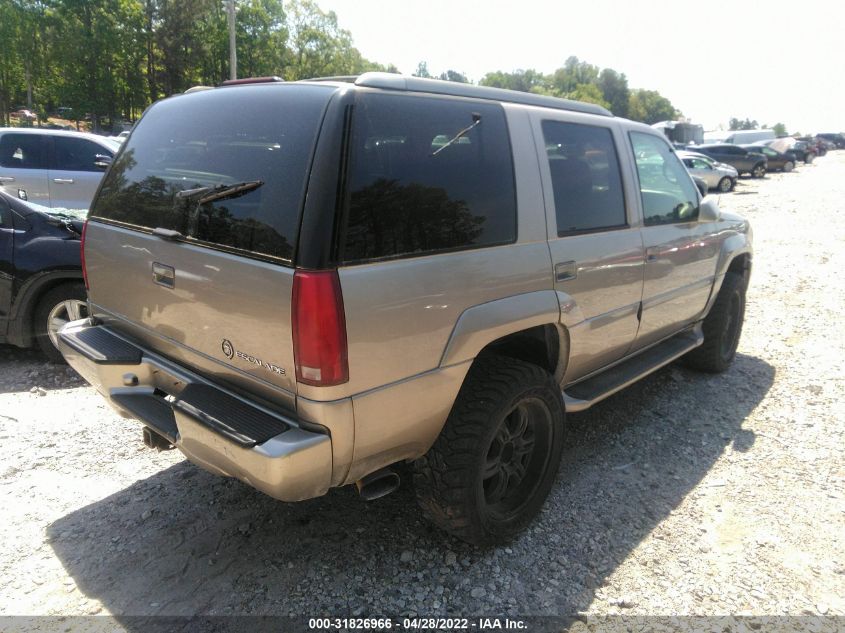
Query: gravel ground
685, 494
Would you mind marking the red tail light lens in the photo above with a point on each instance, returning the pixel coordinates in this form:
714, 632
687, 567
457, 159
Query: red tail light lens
82, 254
319, 329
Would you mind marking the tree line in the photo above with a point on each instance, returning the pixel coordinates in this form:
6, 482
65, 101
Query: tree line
109, 59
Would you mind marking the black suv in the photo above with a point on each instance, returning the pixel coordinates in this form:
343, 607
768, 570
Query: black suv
737, 157
41, 284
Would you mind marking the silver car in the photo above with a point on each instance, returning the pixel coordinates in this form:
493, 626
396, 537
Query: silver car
717, 175
54, 168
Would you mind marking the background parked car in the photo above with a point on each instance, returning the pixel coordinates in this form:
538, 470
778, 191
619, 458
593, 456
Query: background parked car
776, 161
836, 137
802, 150
815, 143
739, 158
41, 285
55, 167
715, 175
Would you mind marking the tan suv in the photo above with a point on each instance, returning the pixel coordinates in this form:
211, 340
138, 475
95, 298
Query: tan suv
302, 284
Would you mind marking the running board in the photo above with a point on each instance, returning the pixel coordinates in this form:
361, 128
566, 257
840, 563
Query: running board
586, 393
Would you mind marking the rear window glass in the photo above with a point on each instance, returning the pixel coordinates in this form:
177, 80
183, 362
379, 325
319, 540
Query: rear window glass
426, 175
240, 158
585, 175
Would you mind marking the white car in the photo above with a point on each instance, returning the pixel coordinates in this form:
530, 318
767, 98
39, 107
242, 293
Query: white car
56, 168
717, 175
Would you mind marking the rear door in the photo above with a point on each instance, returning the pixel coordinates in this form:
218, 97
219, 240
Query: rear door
76, 169
7, 264
23, 166
596, 247
201, 275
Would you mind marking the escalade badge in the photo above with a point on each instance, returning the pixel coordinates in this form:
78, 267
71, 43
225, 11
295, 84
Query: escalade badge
230, 352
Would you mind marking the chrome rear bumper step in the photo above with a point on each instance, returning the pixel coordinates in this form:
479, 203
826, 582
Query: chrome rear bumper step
584, 394
234, 419
211, 425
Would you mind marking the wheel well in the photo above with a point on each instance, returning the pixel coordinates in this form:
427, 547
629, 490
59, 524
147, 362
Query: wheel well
741, 264
21, 327
539, 345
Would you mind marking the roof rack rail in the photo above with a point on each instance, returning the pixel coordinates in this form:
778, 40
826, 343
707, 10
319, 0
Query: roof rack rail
392, 81
252, 80
345, 78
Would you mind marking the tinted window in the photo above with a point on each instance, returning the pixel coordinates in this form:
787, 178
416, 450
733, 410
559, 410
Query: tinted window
5, 214
427, 174
585, 177
668, 193
22, 151
218, 138
77, 154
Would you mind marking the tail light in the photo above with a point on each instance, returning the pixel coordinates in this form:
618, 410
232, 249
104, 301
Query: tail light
82, 254
319, 329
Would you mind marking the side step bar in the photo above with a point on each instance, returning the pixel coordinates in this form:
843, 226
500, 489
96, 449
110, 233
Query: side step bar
582, 395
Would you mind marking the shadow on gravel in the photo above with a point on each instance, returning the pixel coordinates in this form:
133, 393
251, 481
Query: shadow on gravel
24, 369
184, 542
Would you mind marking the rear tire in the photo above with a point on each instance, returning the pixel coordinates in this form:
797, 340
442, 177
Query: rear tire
66, 302
722, 328
493, 465
809, 158
788, 166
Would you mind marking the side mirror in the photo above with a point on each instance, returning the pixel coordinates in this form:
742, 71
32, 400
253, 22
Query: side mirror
22, 195
102, 161
708, 210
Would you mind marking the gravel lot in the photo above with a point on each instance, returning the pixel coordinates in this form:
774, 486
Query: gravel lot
685, 494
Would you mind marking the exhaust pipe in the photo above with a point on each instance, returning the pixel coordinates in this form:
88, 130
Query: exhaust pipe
378, 484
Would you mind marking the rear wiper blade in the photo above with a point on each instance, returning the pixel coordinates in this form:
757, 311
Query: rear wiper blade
218, 192
476, 120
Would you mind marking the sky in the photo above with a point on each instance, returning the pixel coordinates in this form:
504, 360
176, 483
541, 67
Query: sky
768, 60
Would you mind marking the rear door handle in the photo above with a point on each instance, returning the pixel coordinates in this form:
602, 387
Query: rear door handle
63, 181
651, 254
566, 270
164, 275
7, 179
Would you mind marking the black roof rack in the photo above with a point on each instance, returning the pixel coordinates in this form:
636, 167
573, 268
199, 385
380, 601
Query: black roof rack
392, 81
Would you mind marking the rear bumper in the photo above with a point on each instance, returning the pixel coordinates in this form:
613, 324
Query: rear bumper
212, 426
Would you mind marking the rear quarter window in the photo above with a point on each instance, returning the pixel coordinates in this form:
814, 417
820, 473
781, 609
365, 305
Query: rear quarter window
215, 138
427, 175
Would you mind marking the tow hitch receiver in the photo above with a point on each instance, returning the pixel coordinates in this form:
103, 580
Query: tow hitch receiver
156, 441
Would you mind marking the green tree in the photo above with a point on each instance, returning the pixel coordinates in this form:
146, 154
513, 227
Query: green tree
779, 129
422, 71
522, 80
453, 75
588, 93
614, 89
574, 73
649, 106
739, 124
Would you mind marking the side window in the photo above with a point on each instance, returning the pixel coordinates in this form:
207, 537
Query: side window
22, 151
76, 154
698, 163
585, 174
426, 175
668, 193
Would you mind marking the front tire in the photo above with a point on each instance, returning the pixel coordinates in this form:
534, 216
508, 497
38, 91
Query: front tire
493, 465
759, 171
725, 185
66, 302
722, 328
